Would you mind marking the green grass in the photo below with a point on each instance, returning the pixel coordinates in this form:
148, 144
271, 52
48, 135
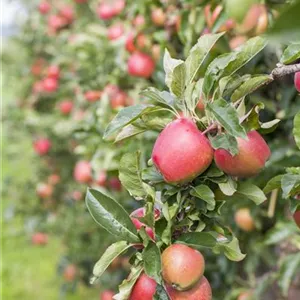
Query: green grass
28, 272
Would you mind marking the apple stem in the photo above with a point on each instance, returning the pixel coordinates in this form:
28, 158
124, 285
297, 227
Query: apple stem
283, 70
211, 127
272, 204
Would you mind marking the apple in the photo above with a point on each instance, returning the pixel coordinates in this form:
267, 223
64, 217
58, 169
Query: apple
67, 12
246, 295
54, 179
139, 21
39, 238
181, 152
92, 95
70, 273
44, 7
201, 291
129, 43
296, 217
118, 100
251, 159
144, 288
44, 190
42, 146
50, 85
83, 171
115, 32
140, 65
244, 220
101, 178
158, 16
115, 184
297, 81
237, 10
107, 295
182, 266
66, 107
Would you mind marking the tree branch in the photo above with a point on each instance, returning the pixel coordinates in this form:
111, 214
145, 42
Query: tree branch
283, 70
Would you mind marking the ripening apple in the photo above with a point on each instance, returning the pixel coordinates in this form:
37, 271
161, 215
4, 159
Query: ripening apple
37, 67
144, 288
39, 238
200, 105
101, 178
92, 96
115, 31
118, 100
107, 295
246, 295
244, 220
140, 65
65, 107
38, 87
115, 184
111, 90
50, 85
77, 195
201, 291
70, 272
139, 213
251, 159
182, 266
156, 51
44, 190
54, 179
42, 146
55, 22
67, 12
181, 152
44, 7
297, 81
237, 10
158, 16
109, 9
83, 171
296, 217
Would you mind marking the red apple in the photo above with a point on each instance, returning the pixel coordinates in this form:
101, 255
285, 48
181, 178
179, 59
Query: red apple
101, 178
54, 179
138, 21
38, 87
50, 85
67, 12
181, 152
158, 17
118, 100
37, 67
144, 288
44, 7
244, 220
56, 22
42, 146
201, 291
92, 96
107, 295
246, 295
296, 217
115, 184
39, 238
252, 156
129, 43
44, 190
77, 195
83, 171
297, 81
182, 266
115, 31
140, 65
110, 9
70, 273
66, 107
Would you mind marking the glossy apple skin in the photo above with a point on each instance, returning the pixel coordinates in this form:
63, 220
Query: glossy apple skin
144, 288
42, 146
83, 171
296, 217
107, 295
139, 213
66, 107
182, 266
181, 152
251, 159
297, 81
140, 65
201, 291
244, 220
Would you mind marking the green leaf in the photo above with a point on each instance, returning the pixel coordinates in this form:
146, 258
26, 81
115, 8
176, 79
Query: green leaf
151, 174
290, 184
162, 98
177, 86
108, 257
205, 193
198, 55
231, 249
152, 261
169, 65
227, 64
252, 192
161, 293
110, 215
198, 240
249, 86
273, 184
127, 284
128, 131
229, 187
296, 130
126, 116
130, 174
224, 141
290, 54
289, 268
227, 116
